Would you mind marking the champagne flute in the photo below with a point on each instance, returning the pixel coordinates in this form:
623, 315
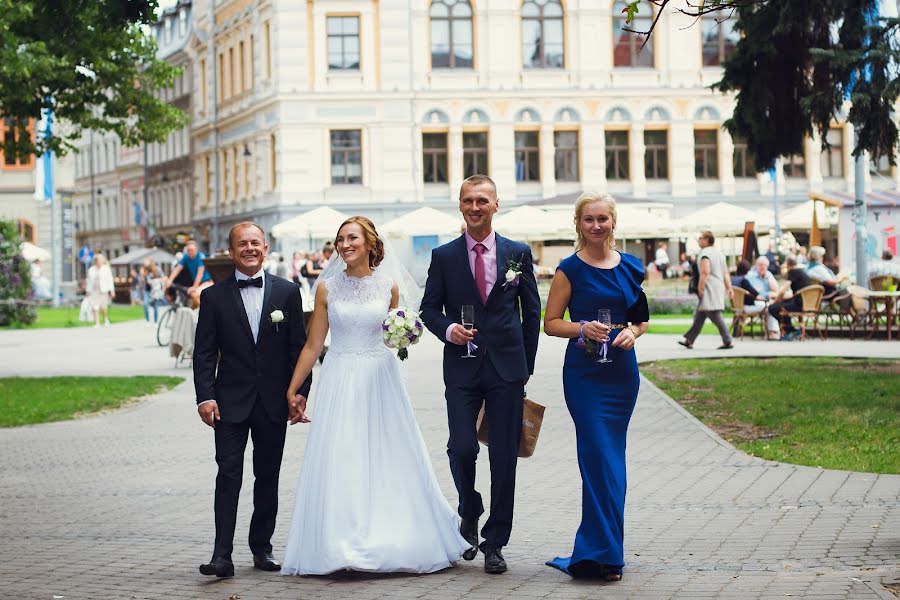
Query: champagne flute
605, 317
467, 317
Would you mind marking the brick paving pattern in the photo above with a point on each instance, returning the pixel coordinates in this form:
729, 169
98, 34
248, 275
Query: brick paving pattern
119, 505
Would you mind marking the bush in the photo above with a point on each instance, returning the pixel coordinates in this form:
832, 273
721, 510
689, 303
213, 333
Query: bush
673, 305
15, 279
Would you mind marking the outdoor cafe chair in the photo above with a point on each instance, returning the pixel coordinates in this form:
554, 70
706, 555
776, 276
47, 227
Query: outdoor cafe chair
811, 298
742, 319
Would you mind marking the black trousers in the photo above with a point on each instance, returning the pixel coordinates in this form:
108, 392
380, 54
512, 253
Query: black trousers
790, 305
268, 447
503, 403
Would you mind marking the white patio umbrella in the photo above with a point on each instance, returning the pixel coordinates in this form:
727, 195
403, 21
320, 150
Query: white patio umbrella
800, 216
31, 253
535, 224
318, 223
423, 221
721, 218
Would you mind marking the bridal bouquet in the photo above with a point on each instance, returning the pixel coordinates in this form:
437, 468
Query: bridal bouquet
401, 328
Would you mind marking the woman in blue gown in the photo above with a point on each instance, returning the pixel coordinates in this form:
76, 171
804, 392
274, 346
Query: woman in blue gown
600, 396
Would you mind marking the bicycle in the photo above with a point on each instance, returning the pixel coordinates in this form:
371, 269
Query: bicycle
178, 298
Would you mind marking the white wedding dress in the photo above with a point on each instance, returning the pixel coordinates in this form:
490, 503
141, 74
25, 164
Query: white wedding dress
367, 499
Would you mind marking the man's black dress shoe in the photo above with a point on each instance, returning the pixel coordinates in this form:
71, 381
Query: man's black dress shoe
469, 530
266, 562
218, 566
493, 561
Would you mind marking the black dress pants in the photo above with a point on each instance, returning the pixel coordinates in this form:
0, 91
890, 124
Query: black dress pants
503, 403
268, 447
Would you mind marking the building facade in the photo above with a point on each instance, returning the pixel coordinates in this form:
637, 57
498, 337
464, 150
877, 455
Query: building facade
114, 211
380, 106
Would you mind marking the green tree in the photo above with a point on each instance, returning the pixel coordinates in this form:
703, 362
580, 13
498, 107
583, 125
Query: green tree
93, 61
796, 64
15, 279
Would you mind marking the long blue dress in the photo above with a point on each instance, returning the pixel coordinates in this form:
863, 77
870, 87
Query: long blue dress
601, 398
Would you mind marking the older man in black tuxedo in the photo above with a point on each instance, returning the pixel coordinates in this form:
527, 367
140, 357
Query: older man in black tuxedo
249, 335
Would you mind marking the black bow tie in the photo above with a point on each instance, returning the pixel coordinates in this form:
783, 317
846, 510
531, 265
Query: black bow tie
257, 282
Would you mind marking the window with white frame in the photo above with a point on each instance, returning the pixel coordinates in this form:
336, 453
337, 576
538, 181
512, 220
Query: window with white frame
451, 34
343, 43
543, 44
346, 157
627, 51
565, 155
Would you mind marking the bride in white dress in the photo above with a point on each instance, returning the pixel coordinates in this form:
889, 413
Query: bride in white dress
367, 499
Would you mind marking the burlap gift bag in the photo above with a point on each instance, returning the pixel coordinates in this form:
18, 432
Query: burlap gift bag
532, 417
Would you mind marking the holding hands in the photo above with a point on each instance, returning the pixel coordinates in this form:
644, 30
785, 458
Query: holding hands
296, 408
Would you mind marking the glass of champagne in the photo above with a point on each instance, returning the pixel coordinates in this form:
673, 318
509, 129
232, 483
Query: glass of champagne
605, 317
467, 317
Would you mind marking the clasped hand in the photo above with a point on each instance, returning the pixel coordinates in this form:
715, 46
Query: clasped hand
296, 408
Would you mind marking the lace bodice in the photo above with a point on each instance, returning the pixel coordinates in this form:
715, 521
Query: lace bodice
356, 308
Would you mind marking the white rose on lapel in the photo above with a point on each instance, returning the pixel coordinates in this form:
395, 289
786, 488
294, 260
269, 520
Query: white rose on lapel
276, 317
513, 272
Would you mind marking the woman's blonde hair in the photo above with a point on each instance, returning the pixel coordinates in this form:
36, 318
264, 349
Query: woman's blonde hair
150, 267
589, 198
376, 252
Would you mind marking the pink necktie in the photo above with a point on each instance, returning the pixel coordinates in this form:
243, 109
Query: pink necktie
480, 281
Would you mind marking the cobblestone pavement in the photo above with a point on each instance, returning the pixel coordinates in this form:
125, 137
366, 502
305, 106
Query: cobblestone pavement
119, 505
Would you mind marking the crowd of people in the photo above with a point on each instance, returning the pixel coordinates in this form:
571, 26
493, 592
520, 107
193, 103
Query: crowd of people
770, 286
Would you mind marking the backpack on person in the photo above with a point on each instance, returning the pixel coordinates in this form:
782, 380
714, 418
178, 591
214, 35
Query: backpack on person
694, 281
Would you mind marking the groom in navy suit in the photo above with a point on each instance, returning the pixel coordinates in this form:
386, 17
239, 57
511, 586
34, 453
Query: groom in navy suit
495, 275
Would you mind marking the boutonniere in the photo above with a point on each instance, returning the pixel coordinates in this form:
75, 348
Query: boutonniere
513, 272
276, 317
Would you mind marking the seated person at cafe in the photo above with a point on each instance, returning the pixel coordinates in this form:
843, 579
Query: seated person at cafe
885, 266
821, 273
799, 279
192, 261
766, 288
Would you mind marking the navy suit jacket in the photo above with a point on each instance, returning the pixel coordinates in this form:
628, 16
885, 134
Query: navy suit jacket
508, 324
233, 370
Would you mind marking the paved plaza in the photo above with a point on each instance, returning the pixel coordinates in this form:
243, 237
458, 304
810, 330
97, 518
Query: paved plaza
119, 505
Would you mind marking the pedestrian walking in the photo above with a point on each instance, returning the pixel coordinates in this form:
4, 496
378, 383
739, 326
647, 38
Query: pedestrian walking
713, 287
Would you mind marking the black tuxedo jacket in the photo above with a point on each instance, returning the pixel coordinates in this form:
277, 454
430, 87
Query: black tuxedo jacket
233, 370
508, 323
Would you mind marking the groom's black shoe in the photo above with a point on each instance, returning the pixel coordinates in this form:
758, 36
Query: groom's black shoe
218, 566
266, 562
469, 530
493, 560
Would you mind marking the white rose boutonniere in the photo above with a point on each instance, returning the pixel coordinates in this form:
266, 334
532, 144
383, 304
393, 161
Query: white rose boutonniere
276, 317
513, 272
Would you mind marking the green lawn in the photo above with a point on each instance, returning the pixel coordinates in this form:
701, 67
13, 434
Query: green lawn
826, 412
29, 400
49, 317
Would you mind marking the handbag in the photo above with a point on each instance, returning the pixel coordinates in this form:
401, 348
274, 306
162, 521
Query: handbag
532, 417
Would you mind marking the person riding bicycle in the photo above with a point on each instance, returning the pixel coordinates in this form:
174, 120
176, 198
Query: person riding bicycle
192, 260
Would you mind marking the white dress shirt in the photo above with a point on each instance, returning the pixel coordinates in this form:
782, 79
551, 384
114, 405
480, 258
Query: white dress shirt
253, 300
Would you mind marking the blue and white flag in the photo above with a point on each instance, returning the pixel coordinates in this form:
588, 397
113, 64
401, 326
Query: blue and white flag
43, 168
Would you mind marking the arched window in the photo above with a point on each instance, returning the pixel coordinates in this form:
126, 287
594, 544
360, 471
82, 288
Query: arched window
719, 38
627, 50
543, 45
451, 34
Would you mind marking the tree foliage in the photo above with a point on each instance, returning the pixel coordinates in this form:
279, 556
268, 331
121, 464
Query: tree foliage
15, 279
93, 61
796, 65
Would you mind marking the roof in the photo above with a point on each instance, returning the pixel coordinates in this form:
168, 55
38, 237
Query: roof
874, 199
139, 255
